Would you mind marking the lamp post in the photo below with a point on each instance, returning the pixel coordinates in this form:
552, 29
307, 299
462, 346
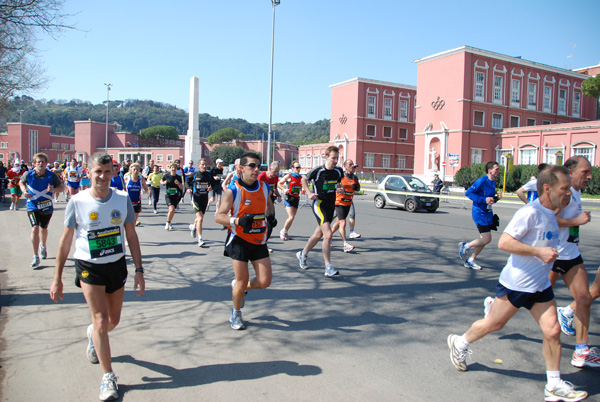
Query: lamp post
274, 4
107, 97
21, 135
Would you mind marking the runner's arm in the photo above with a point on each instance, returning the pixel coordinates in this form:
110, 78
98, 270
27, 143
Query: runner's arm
221, 216
136, 256
64, 247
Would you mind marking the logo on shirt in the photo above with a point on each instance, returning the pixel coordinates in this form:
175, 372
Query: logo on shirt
94, 216
247, 202
115, 217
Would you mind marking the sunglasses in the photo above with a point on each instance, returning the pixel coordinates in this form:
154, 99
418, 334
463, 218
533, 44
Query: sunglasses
252, 165
296, 167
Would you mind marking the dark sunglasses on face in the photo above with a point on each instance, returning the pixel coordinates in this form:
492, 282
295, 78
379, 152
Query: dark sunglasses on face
252, 165
296, 167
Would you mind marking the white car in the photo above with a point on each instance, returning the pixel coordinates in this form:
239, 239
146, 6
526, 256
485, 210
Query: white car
386, 194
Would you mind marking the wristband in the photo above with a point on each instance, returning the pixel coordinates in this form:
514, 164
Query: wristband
232, 221
139, 270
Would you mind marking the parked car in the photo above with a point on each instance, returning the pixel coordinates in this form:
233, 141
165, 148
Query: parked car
411, 202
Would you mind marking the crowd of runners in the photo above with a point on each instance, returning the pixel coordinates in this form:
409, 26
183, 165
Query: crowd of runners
541, 239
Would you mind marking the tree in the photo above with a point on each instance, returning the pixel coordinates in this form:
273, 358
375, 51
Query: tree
20, 21
591, 87
160, 133
228, 153
224, 135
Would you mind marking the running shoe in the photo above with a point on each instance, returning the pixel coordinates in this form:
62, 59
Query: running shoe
167, 226
354, 235
470, 263
236, 320
463, 251
595, 350
587, 359
487, 306
201, 242
35, 262
348, 247
233, 282
283, 235
155, 212
563, 391
108, 388
330, 271
192, 230
457, 356
302, 260
43, 252
12, 206
566, 322
138, 223
91, 351
170, 227
149, 201
16, 208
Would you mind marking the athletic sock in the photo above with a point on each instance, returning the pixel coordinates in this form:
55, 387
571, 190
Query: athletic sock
461, 342
568, 311
581, 348
553, 378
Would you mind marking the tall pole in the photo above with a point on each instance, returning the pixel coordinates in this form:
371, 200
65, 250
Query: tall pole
21, 135
274, 3
107, 98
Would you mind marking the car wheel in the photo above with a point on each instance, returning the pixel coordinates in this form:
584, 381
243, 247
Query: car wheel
410, 205
432, 210
379, 202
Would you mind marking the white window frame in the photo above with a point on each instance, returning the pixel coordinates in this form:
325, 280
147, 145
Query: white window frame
170, 158
576, 104
528, 156
531, 119
159, 157
371, 106
497, 117
400, 129
498, 92
386, 161
586, 151
482, 118
403, 110
374, 131
301, 161
518, 121
387, 109
369, 160
550, 155
476, 155
562, 101
390, 131
401, 161
515, 93
324, 158
532, 95
546, 122
479, 88
547, 98
309, 161
501, 156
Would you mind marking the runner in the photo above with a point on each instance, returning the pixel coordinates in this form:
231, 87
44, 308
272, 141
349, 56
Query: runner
249, 202
352, 215
73, 177
528, 192
99, 218
483, 194
85, 177
14, 177
217, 175
148, 169
37, 186
199, 189
233, 175
174, 185
271, 177
117, 180
343, 201
154, 179
570, 266
531, 238
188, 173
57, 170
325, 179
292, 197
134, 184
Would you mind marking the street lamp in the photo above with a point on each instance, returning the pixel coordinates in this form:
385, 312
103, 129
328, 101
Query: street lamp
274, 3
21, 135
107, 97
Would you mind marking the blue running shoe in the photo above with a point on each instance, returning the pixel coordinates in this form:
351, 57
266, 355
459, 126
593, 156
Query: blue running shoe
236, 320
330, 271
463, 251
470, 263
566, 323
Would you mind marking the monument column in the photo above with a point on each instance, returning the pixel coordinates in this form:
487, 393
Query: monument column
193, 149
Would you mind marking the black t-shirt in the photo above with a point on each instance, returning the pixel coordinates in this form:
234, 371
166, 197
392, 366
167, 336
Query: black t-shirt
325, 181
200, 184
170, 185
217, 175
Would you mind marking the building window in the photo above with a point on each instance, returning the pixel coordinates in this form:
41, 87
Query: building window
515, 121
178, 143
1, 145
55, 145
172, 142
515, 97
72, 147
476, 154
562, 101
531, 95
64, 147
301, 160
530, 122
550, 155
547, 99
387, 132
404, 110
169, 158
497, 121
1, 156
498, 80
479, 83
159, 158
401, 162
586, 152
402, 133
309, 161
528, 156
387, 111
501, 156
576, 103
369, 160
324, 159
546, 122
206, 153
478, 118
370, 130
371, 104
385, 161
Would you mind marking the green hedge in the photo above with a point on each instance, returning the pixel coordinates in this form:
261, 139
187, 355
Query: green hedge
520, 175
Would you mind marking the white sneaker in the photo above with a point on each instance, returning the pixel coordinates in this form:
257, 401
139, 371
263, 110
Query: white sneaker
348, 247
487, 306
193, 231
201, 242
563, 391
108, 388
149, 201
43, 252
155, 212
170, 227
90, 351
354, 235
12, 206
167, 226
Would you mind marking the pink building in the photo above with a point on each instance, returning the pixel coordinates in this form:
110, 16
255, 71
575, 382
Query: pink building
284, 153
22, 141
372, 123
475, 104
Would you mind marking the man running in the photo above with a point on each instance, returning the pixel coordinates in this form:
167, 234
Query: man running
73, 178
174, 187
200, 187
528, 192
99, 218
325, 180
14, 177
343, 202
483, 194
154, 179
188, 173
271, 177
134, 184
352, 215
217, 175
292, 197
117, 181
569, 265
531, 238
37, 186
249, 201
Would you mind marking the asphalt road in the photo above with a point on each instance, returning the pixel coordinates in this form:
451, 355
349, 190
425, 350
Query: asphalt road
375, 333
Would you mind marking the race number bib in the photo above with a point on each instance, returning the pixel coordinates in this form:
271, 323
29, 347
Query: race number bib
295, 189
259, 224
330, 185
44, 206
105, 242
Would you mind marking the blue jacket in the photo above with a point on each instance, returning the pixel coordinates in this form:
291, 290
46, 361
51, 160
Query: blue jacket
478, 192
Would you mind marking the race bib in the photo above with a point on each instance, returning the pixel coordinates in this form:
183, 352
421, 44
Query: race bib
172, 191
330, 185
573, 235
259, 224
105, 242
44, 206
295, 190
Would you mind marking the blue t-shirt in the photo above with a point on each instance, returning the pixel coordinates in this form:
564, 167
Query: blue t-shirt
482, 212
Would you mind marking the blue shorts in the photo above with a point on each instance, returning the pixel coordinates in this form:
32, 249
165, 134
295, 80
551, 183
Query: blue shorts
85, 182
73, 184
524, 299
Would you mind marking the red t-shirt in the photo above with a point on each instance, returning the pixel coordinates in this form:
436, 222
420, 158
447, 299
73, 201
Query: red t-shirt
270, 181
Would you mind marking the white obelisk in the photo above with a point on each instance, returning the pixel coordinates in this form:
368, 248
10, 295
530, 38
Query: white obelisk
193, 150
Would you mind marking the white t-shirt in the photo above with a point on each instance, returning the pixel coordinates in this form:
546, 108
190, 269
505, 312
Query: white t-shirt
531, 188
533, 225
568, 248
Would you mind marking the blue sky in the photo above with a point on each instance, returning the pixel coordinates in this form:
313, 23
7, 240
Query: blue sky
149, 51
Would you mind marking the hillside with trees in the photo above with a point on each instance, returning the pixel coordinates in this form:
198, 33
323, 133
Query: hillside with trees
135, 115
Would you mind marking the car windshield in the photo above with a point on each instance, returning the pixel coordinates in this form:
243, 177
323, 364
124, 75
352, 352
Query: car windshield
416, 184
